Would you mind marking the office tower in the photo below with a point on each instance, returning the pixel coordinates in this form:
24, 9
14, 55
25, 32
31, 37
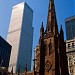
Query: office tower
20, 36
5, 51
70, 27
70, 50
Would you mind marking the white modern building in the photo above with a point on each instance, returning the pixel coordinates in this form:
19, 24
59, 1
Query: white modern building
20, 36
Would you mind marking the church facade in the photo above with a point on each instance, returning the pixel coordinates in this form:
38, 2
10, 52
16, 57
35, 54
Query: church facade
50, 53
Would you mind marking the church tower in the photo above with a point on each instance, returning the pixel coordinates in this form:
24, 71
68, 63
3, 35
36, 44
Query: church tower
62, 52
49, 54
51, 42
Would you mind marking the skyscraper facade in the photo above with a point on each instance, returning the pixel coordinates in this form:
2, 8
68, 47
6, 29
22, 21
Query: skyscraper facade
20, 36
5, 51
70, 27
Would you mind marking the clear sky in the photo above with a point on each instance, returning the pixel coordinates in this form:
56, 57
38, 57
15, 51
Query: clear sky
64, 9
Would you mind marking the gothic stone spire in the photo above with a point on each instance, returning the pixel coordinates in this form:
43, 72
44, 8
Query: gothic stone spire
51, 20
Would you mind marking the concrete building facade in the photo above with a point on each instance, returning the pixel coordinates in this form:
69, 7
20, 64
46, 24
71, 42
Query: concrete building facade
70, 49
70, 27
20, 36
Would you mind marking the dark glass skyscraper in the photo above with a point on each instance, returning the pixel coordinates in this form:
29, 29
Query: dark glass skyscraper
70, 27
5, 51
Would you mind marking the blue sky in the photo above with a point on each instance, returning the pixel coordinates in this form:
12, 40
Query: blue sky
64, 9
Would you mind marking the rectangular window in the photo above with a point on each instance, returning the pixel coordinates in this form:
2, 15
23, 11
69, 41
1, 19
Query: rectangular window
72, 45
71, 71
68, 45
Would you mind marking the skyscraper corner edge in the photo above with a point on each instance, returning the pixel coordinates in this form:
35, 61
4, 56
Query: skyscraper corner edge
28, 6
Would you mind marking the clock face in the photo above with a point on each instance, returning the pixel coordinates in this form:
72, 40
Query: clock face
48, 66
